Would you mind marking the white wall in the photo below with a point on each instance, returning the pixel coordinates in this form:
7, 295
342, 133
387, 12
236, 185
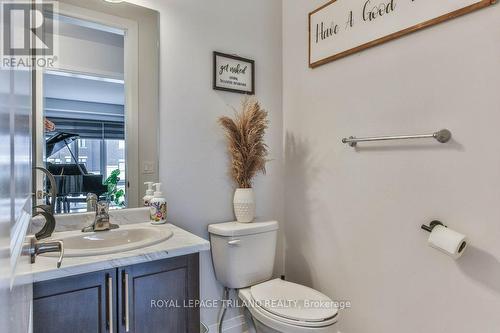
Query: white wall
353, 217
88, 50
192, 149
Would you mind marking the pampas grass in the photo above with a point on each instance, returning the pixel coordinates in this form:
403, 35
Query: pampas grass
245, 138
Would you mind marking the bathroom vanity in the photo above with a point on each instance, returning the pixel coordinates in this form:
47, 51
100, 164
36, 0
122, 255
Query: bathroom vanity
113, 286
148, 297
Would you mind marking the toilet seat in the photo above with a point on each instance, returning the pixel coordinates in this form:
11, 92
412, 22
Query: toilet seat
293, 301
265, 300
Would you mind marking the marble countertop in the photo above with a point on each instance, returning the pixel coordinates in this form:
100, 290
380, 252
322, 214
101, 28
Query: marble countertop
181, 243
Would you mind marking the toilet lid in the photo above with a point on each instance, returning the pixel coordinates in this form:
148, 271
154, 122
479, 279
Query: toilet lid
293, 301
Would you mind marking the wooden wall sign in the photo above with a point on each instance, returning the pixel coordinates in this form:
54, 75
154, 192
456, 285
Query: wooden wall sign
343, 27
234, 74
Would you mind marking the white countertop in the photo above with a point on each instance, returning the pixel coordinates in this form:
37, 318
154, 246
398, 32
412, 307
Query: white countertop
181, 243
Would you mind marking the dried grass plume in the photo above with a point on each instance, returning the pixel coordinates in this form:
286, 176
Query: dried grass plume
245, 138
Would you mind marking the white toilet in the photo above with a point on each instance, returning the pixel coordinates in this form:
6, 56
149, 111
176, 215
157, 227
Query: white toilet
243, 256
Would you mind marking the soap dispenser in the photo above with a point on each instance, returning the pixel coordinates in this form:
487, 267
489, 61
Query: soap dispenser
158, 207
149, 194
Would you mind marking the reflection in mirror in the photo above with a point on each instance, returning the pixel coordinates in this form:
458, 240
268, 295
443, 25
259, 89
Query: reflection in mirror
84, 122
87, 116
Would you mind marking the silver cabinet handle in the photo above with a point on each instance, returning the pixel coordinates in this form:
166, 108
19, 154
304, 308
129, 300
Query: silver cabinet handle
38, 248
110, 304
127, 307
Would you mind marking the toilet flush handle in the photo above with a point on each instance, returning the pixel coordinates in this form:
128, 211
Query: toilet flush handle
234, 242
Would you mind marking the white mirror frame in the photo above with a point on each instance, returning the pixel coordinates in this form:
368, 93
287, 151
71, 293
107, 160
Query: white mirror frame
131, 76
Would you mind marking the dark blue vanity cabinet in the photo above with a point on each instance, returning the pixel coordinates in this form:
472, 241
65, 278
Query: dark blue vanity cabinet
153, 297
75, 304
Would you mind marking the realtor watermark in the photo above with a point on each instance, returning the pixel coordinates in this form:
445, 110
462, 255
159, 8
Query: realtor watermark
29, 34
275, 304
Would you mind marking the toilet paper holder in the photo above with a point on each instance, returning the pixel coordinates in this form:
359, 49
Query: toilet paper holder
432, 225
461, 246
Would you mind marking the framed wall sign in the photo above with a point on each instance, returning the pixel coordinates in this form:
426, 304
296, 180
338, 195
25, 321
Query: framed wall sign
235, 74
342, 27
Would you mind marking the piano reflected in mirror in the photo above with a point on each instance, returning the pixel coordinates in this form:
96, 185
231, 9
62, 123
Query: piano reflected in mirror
73, 181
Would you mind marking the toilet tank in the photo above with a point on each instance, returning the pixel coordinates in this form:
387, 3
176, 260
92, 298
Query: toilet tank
243, 253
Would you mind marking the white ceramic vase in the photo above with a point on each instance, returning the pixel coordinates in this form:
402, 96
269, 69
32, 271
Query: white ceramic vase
244, 205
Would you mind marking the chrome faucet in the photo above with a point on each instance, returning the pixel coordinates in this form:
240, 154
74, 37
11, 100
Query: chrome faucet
101, 220
47, 211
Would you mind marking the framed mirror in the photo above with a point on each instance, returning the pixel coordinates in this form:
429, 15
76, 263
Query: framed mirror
97, 106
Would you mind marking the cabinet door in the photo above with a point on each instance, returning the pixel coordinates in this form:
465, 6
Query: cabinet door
158, 296
79, 304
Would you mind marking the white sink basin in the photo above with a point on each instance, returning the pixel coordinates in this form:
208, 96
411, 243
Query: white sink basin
112, 241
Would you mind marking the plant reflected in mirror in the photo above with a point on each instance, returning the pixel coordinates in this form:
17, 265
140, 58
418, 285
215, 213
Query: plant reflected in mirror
114, 194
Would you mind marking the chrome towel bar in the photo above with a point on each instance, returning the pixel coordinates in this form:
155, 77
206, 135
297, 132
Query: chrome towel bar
441, 136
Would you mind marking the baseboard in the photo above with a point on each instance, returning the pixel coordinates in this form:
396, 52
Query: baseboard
231, 325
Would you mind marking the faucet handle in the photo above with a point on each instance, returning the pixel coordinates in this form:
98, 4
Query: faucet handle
38, 248
102, 207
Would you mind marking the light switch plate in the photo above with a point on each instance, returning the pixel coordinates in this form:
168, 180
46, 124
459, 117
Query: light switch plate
148, 167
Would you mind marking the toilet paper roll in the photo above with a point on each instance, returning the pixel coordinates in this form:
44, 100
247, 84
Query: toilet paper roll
448, 241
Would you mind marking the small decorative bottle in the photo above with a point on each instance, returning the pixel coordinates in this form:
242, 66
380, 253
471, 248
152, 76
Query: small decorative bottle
158, 207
